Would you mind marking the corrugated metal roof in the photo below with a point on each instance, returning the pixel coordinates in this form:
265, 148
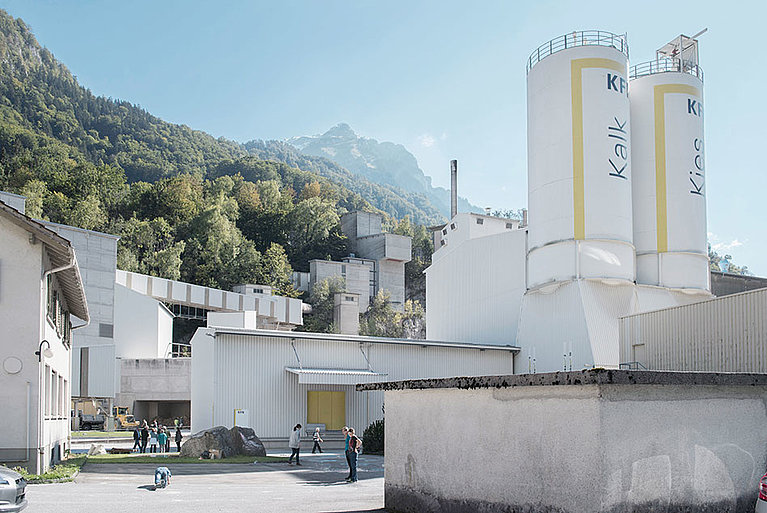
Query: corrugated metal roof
60, 253
362, 339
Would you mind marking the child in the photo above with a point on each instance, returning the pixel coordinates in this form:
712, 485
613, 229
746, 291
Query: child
153, 440
162, 477
161, 439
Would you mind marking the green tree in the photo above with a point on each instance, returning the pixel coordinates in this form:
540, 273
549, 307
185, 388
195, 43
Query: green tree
321, 299
275, 270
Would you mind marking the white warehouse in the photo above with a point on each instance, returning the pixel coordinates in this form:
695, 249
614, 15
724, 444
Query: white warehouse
282, 378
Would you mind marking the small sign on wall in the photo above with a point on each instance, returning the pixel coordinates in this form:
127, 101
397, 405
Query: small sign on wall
241, 418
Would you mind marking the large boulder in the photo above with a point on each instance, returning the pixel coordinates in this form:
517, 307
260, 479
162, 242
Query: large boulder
246, 442
218, 438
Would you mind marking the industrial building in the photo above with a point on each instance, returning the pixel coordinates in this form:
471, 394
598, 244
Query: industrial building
40, 286
376, 262
616, 211
277, 379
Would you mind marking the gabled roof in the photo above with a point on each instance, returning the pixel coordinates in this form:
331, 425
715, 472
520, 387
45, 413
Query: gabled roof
60, 253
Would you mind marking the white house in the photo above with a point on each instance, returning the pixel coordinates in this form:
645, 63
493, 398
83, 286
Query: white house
40, 286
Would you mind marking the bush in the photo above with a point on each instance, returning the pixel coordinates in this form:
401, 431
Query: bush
373, 438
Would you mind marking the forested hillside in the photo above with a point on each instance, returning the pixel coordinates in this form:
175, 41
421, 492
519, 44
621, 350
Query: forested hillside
186, 205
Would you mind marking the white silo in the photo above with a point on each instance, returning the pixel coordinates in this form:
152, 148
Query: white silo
579, 160
668, 158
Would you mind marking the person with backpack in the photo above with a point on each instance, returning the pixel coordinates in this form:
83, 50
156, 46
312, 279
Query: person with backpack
295, 444
354, 445
345, 432
317, 441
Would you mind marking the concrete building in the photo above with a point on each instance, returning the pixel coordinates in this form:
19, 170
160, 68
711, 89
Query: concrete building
40, 287
724, 284
93, 347
282, 378
377, 262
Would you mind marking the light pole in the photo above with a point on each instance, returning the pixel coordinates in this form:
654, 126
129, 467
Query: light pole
41, 409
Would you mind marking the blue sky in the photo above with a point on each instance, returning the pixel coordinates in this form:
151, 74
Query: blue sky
444, 78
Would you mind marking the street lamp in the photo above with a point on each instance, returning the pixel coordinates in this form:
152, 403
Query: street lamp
44, 352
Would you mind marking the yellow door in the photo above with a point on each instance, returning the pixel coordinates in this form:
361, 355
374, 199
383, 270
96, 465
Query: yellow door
325, 407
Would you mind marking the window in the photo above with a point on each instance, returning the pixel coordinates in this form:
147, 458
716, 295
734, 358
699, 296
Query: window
509, 226
350, 298
64, 396
452, 226
343, 269
258, 291
480, 221
54, 400
106, 330
442, 242
47, 391
444, 231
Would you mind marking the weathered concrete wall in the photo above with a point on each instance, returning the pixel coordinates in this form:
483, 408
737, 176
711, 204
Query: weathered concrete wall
156, 379
592, 441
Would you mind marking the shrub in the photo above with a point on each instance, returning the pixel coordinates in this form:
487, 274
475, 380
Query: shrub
373, 438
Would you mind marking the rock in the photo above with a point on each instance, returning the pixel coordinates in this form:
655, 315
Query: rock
246, 442
96, 449
218, 438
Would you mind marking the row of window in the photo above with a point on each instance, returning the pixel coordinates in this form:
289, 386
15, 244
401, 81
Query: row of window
56, 393
57, 314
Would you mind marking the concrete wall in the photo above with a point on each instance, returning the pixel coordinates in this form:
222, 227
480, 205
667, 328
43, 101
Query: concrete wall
385, 245
359, 224
156, 379
143, 326
346, 313
357, 277
579, 442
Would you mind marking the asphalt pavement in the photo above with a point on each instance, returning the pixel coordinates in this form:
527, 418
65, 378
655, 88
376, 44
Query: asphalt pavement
317, 486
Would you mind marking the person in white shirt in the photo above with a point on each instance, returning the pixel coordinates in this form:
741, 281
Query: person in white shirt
295, 444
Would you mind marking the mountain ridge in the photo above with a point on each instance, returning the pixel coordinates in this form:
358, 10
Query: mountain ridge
383, 162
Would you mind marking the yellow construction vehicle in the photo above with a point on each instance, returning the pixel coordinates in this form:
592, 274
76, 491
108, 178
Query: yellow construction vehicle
123, 418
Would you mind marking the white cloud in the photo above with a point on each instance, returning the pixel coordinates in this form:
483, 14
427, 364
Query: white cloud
427, 140
720, 247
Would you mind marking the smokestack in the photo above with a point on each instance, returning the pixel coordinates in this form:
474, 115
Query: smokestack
453, 188
524, 217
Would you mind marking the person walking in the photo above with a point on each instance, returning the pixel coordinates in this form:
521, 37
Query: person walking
144, 437
136, 440
153, 440
167, 439
161, 439
345, 432
179, 437
317, 441
295, 444
354, 444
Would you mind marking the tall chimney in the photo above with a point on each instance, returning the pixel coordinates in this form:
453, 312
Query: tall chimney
453, 188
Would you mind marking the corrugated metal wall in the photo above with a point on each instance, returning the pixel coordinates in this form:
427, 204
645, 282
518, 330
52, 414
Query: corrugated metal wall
249, 373
727, 334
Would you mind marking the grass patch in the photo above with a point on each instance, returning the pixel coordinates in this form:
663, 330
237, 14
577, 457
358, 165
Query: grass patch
61, 473
102, 434
174, 458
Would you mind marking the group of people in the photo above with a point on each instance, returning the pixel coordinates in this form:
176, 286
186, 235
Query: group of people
352, 445
156, 437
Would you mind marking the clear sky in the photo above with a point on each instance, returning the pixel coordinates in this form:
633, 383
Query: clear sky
444, 78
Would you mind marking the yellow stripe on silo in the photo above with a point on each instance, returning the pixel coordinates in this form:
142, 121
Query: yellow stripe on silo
576, 85
661, 205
